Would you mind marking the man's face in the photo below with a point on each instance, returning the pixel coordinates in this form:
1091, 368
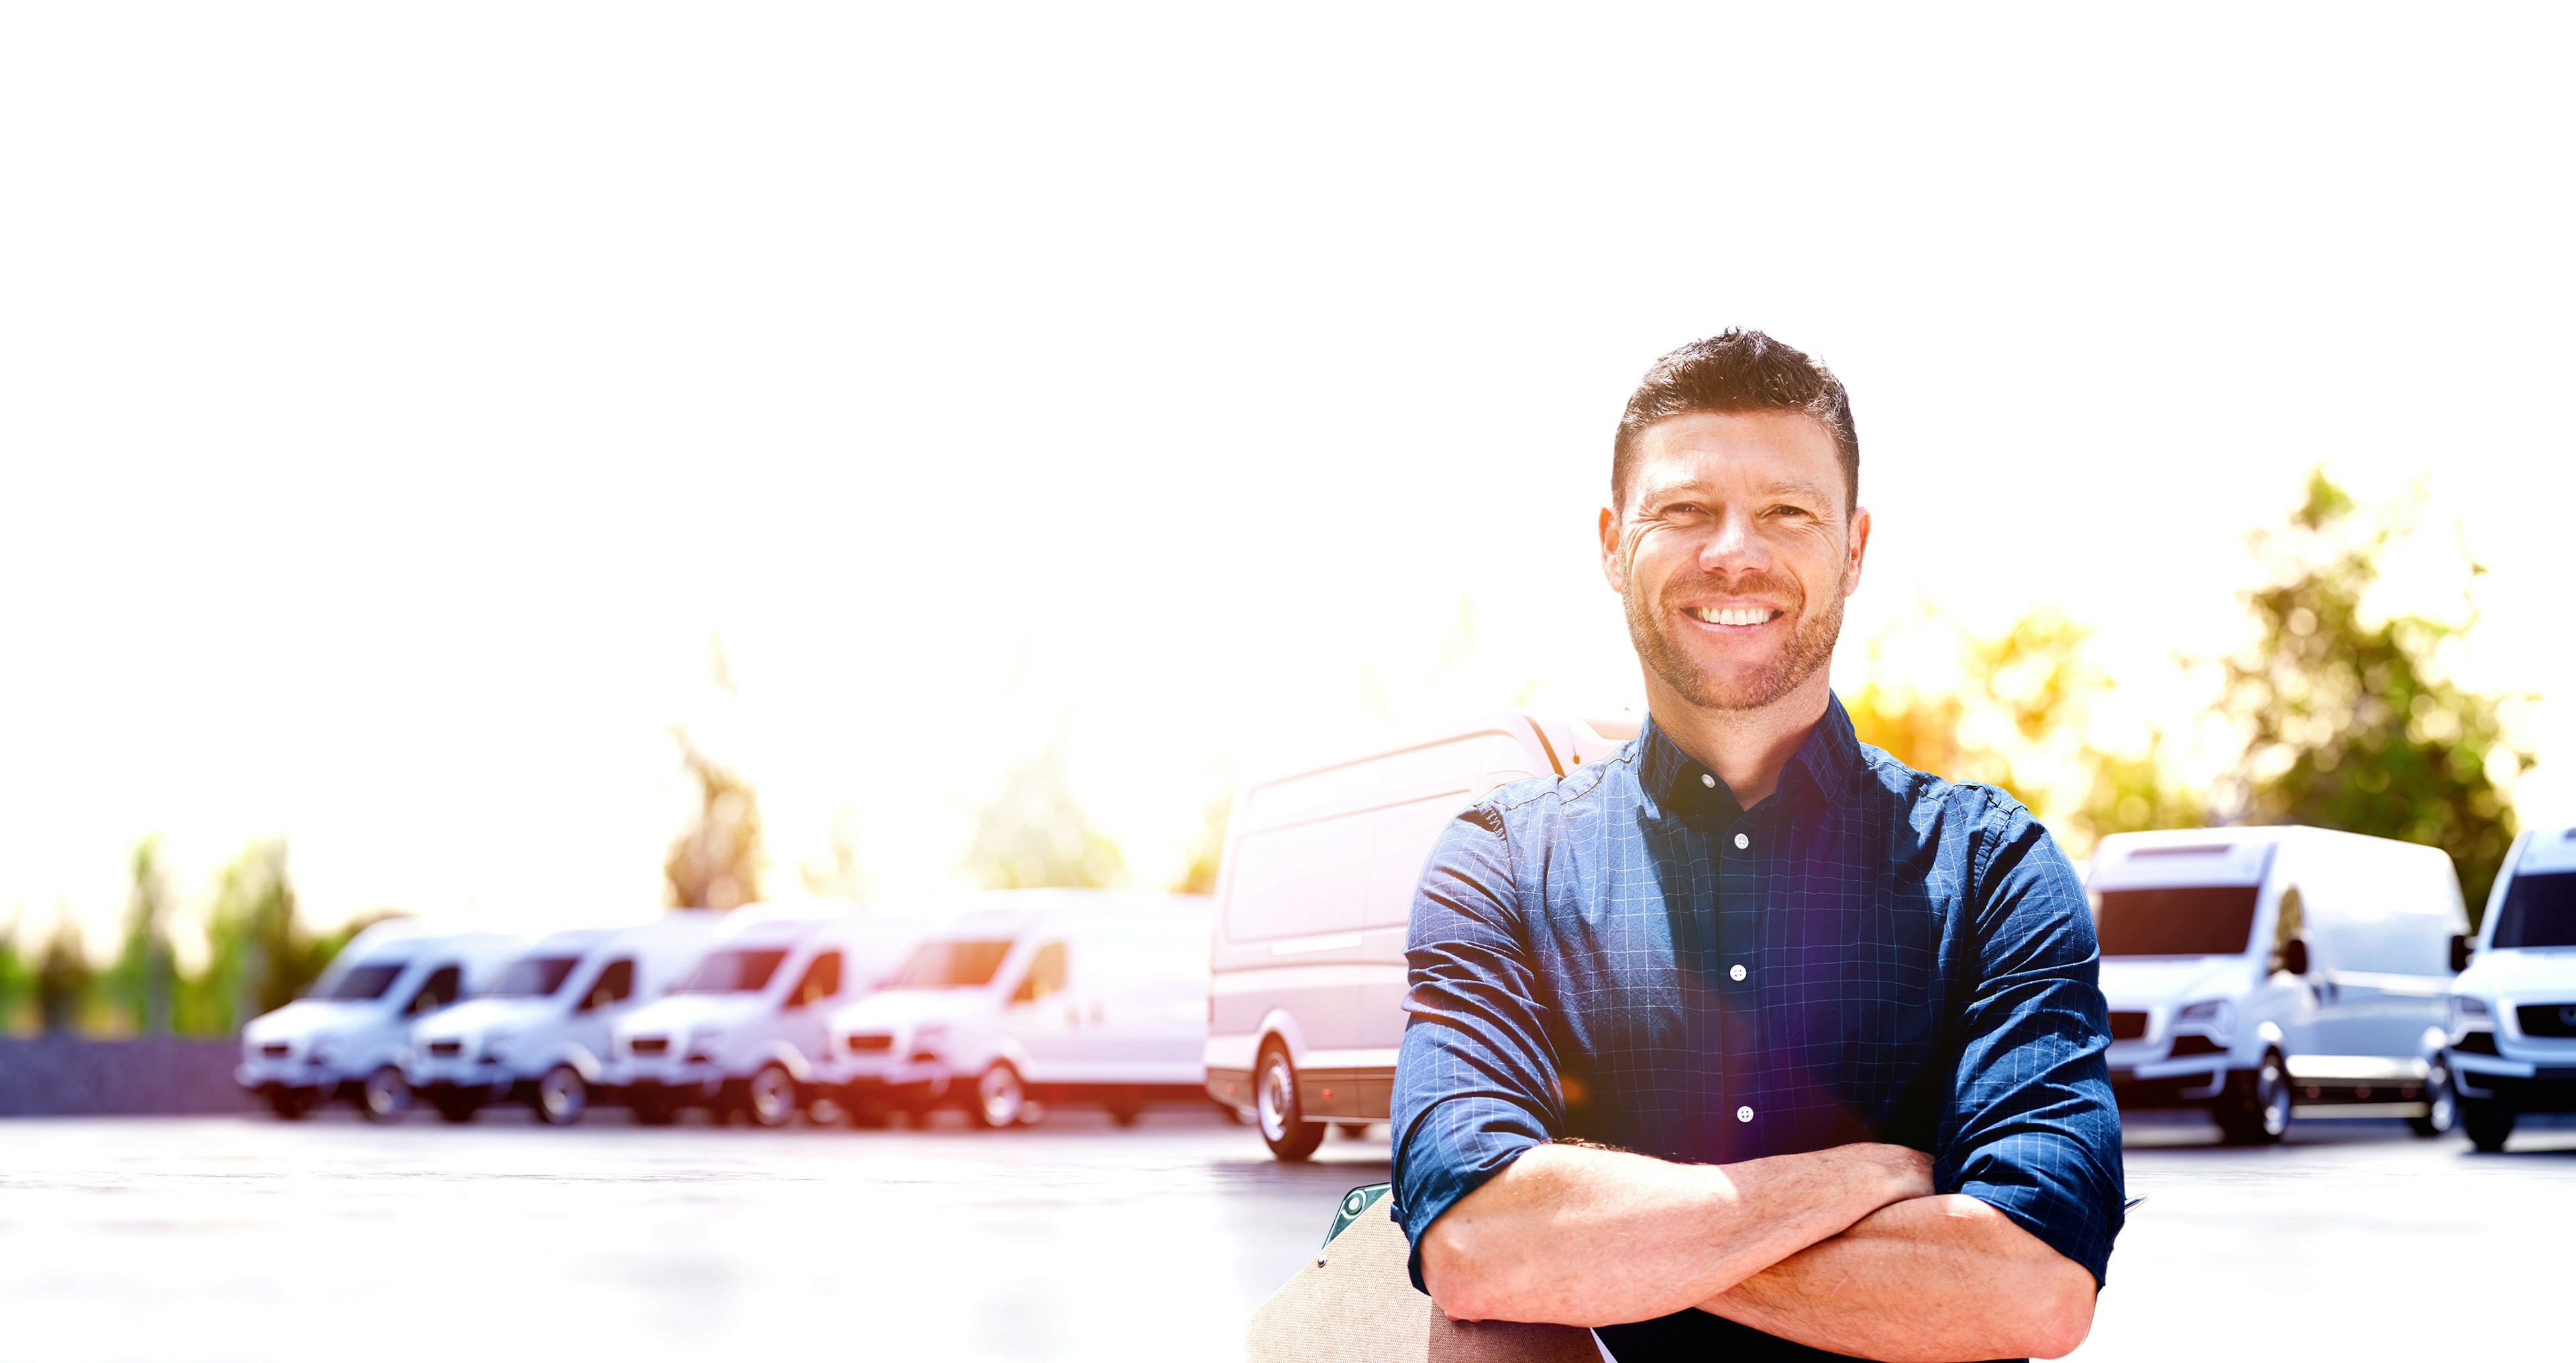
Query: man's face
1733, 553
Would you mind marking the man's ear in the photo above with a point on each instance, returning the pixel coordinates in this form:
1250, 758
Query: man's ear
1610, 552
1859, 549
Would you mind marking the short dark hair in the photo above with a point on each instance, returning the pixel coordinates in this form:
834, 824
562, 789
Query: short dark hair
1736, 371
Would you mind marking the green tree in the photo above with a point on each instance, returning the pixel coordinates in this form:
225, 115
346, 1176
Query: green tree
17, 982
139, 985
715, 864
260, 955
2014, 715
1035, 834
63, 976
2350, 722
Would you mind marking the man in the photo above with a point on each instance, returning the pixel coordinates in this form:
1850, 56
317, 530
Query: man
1750, 1042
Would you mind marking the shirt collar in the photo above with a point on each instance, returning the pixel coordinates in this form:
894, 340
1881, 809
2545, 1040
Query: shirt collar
1827, 757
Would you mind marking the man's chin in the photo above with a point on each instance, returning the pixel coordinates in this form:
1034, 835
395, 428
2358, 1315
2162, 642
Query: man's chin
1734, 691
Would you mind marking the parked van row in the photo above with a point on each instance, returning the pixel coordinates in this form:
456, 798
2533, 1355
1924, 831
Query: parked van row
990, 1002
2263, 974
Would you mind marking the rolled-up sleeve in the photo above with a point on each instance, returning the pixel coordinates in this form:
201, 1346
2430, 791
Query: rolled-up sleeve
1476, 1078
2031, 1127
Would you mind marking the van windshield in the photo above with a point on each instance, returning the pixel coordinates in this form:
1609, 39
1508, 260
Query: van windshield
2181, 920
741, 971
2539, 911
951, 965
534, 977
366, 981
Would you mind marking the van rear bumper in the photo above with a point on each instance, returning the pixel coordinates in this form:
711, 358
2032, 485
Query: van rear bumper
1233, 1088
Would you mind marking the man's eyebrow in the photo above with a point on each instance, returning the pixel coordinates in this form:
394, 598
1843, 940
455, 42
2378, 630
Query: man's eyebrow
1798, 487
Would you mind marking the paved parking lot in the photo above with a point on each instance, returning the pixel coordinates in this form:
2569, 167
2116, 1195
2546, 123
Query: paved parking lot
219, 1238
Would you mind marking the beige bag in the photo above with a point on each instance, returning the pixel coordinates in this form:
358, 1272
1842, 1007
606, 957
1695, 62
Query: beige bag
1354, 1302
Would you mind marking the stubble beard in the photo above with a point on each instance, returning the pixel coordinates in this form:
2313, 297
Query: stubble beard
1811, 646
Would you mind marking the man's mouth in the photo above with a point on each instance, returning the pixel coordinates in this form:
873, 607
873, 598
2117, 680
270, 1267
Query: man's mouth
1737, 616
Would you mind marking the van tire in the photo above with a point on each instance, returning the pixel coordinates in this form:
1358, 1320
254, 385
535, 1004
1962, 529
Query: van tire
384, 1097
2489, 1124
456, 1104
999, 1098
770, 1099
1284, 1128
291, 1105
2441, 1103
1125, 1106
652, 1108
562, 1096
2255, 1109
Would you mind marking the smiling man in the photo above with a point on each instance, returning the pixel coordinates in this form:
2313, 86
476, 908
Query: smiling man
1750, 1042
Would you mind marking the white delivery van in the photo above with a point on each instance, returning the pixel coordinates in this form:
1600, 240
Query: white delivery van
351, 1032
1051, 995
2513, 1010
743, 1031
2260, 971
541, 1033
1306, 1000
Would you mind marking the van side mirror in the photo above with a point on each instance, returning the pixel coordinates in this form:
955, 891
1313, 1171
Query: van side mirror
2294, 955
2460, 953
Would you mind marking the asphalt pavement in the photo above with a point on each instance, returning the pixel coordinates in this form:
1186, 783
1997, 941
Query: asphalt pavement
239, 1238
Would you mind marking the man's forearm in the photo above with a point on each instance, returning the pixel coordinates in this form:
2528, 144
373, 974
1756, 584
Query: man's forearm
1930, 1280
1582, 1236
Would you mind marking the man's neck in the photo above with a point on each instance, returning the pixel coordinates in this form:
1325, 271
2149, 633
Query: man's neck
1748, 749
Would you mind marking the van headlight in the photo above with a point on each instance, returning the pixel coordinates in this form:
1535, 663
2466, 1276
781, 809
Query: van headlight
2215, 1014
2467, 1006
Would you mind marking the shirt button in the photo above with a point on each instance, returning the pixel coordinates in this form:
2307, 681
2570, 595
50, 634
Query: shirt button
1707, 780
1742, 842
1736, 974
1744, 1114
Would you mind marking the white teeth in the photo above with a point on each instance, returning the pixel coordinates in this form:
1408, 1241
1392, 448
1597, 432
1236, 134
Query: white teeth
1732, 615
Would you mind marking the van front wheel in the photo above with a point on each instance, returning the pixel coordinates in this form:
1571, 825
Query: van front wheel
2255, 1110
562, 1097
1284, 1127
770, 1097
385, 1096
999, 1099
2489, 1124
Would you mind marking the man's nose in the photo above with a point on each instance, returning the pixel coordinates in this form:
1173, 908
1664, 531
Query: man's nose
1733, 547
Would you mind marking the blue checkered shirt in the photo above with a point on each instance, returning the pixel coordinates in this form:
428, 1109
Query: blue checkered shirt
1626, 956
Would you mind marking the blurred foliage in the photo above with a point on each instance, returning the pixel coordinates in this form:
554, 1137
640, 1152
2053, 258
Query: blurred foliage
260, 956
1035, 834
1199, 877
716, 863
63, 976
840, 876
17, 983
2014, 716
138, 987
2350, 723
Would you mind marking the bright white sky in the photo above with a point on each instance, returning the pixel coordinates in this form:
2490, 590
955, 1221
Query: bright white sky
394, 404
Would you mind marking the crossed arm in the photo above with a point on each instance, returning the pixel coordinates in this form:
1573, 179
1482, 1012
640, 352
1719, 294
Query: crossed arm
1844, 1249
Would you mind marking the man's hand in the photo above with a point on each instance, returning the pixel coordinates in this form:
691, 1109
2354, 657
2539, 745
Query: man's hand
1577, 1235
1931, 1280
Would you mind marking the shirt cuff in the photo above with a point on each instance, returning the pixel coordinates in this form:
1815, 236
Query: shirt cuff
2043, 1213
